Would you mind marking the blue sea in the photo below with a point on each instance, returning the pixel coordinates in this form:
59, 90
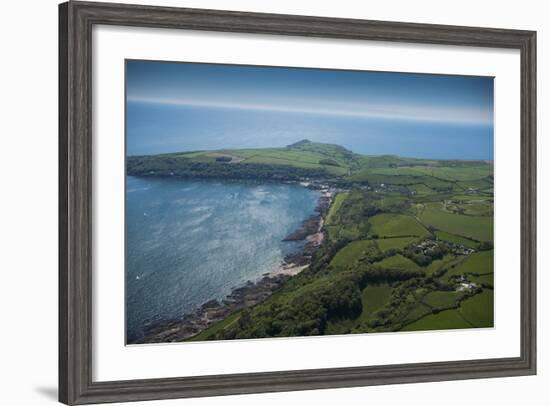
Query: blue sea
154, 129
190, 241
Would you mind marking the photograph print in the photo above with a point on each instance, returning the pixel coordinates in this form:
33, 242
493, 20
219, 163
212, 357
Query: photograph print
266, 202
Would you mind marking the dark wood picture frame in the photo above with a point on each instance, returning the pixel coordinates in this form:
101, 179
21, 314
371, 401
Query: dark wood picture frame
76, 20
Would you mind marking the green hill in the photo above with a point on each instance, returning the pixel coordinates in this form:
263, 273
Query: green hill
313, 160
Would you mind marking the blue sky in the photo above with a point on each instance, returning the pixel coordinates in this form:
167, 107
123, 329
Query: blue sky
186, 106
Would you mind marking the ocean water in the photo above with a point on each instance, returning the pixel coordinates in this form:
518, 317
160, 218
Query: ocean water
190, 241
184, 128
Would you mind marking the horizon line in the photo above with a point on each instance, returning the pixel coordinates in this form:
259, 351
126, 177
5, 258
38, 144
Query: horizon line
379, 112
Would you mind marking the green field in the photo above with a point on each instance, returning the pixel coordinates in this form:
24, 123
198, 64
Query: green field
339, 232
419, 311
403, 180
353, 252
386, 244
475, 227
477, 209
447, 319
291, 156
455, 239
421, 189
442, 299
391, 202
398, 262
488, 279
479, 309
476, 184
336, 204
478, 263
440, 263
463, 173
373, 298
478, 197
298, 160
396, 225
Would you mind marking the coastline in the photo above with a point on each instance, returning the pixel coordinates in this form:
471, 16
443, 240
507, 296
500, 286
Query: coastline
251, 293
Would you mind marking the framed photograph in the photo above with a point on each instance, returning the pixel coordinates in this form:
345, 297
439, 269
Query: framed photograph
257, 202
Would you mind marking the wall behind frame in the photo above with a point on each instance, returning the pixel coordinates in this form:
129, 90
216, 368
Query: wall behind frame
28, 205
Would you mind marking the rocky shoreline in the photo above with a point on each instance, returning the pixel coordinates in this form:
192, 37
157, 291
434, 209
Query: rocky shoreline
251, 293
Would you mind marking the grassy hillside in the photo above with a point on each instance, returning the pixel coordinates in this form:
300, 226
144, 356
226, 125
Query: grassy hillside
303, 159
306, 159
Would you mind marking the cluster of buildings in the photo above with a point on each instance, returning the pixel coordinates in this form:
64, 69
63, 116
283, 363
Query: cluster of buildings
428, 246
464, 284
